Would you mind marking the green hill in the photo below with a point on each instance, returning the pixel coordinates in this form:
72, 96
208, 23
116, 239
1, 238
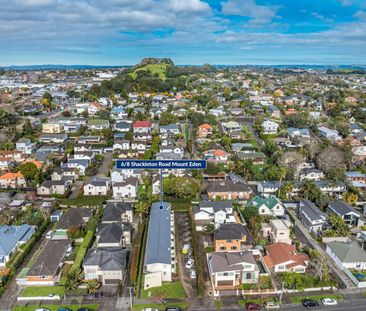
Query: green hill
160, 69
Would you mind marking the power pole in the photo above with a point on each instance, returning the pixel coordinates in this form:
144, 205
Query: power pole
283, 287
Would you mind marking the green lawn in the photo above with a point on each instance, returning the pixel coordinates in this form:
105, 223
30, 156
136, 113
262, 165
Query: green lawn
160, 69
161, 306
298, 299
82, 250
168, 290
260, 301
55, 307
34, 291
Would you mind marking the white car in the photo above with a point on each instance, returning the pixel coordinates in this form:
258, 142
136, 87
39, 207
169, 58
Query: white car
192, 274
329, 302
189, 264
150, 309
270, 305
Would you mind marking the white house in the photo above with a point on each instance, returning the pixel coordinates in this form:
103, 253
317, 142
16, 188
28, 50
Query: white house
269, 127
97, 186
126, 188
347, 255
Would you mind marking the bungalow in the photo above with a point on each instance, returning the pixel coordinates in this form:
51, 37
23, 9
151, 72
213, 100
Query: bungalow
122, 126
346, 212
230, 126
204, 130
126, 188
228, 190
11, 237
232, 237
330, 134
117, 211
311, 216
53, 138
97, 186
298, 132
12, 180
52, 128
119, 113
230, 271
98, 124
311, 174
46, 269
216, 155
267, 206
108, 266
347, 255
282, 257
113, 235
142, 127
93, 108
89, 140
269, 127
170, 128
213, 212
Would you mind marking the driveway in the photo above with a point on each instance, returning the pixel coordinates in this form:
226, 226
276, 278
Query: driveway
76, 189
104, 167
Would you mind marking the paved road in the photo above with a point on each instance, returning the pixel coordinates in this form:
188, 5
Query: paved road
104, 168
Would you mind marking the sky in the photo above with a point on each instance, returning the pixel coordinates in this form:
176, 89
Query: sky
122, 32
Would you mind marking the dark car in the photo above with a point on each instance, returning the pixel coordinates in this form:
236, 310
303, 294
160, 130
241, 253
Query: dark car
83, 309
310, 303
253, 306
173, 309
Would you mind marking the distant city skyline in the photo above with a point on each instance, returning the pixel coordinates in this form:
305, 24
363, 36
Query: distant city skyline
122, 32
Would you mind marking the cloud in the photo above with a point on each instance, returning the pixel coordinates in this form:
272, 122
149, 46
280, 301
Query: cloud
321, 17
361, 15
195, 6
258, 14
346, 2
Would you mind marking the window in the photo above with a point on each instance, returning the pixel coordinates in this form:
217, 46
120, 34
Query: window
222, 248
233, 248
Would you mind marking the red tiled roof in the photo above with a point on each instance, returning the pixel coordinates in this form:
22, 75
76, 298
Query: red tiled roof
142, 124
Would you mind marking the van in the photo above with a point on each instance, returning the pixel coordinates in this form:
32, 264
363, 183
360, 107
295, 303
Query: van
186, 248
49, 234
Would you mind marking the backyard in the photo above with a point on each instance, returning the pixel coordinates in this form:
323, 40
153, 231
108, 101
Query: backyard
359, 275
167, 290
35, 291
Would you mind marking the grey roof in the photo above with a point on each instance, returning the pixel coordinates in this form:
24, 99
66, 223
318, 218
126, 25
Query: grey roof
98, 181
109, 259
216, 205
227, 186
348, 252
112, 232
341, 208
74, 217
311, 210
230, 261
158, 246
232, 232
50, 258
11, 235
114, 210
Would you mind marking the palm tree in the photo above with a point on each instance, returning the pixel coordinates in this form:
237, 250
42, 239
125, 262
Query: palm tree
142, 208
92, 286
73, 279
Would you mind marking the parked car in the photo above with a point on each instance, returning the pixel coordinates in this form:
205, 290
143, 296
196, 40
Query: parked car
83, 309
186, 248
270, 305
150, 309
63, 309
49, 234
253, 306
310, 303
189, 264
173, 309
329, 302
42, 309
192, 274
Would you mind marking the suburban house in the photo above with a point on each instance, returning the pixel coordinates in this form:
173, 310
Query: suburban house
122, 126
126, 188
216, 155
160, 246
232, 270
228, 190
213, 212
232, 238
267, 206
26, 146
269, 127
357, 179
282, 257
311, 174
170, 128
204, 130
49, 187
12, 180
330, 134
98, 124
52, 128
142, 127
97, 186
53, 138
11, 237
108, 266
346, 212
230, 126
113, 235
73, 217
347, 255
311, 216
277, 230
46, 269
116, 211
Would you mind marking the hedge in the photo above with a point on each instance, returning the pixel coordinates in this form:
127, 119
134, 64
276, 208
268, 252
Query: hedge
84, 201
88, 239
